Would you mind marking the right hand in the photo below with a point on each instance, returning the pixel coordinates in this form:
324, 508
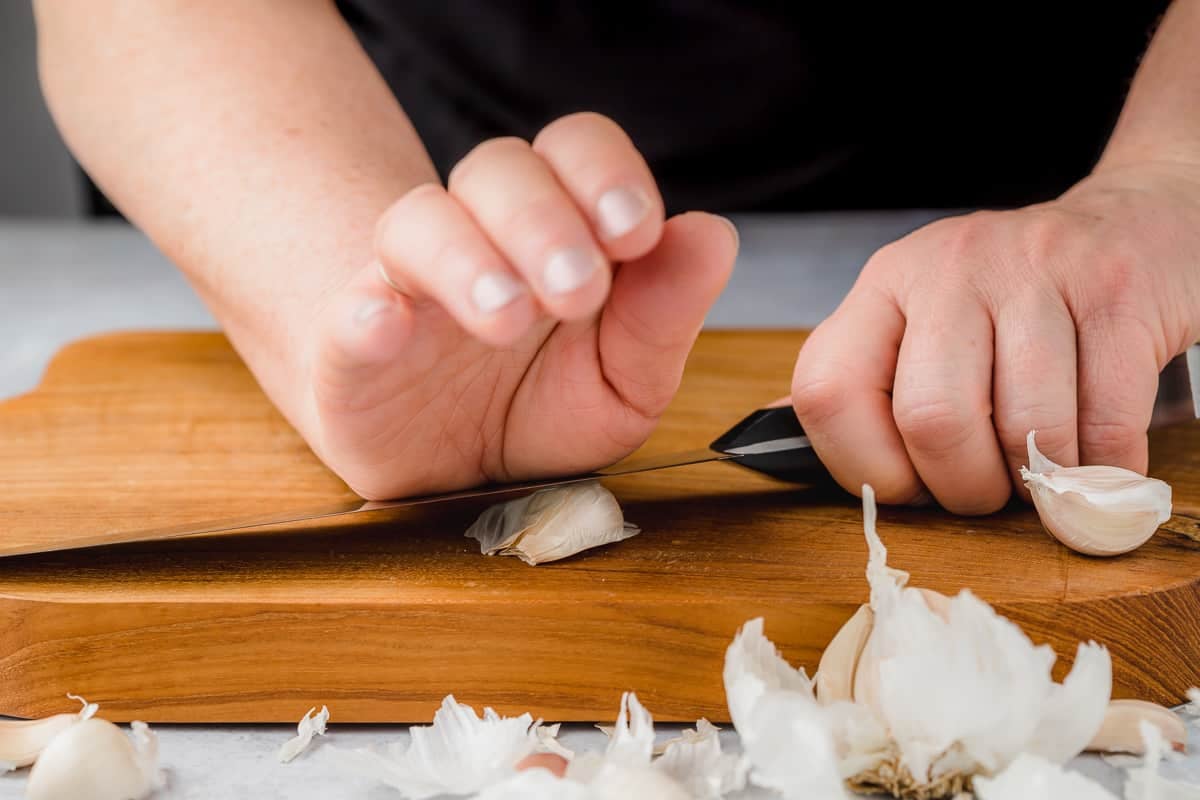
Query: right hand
531, 319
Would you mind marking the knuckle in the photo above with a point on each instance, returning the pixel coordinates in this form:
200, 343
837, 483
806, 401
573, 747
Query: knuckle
489, 151
537, 225
932, 426
1111, 434
582, 124
1053, 437
817, 397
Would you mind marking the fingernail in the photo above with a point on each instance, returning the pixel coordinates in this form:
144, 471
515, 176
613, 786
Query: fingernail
492, 291
370, 309
567, 270
737, 239
620, 210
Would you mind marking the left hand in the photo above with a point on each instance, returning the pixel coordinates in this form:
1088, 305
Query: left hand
960, 338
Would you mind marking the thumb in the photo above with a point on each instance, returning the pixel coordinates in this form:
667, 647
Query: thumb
657, 306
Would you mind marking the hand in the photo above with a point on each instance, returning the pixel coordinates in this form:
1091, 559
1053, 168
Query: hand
959, 339
532, 319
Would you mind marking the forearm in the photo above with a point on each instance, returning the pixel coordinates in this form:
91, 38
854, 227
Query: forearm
1161, 118
254, 142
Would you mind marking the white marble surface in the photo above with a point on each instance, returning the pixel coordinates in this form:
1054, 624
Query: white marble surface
61, 281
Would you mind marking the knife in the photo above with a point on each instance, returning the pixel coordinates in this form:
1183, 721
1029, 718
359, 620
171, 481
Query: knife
769, 441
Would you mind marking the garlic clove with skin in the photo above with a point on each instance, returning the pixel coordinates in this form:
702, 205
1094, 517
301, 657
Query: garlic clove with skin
1121, 730
834, 680
96, 760
1095, 510
22, 740
552, 523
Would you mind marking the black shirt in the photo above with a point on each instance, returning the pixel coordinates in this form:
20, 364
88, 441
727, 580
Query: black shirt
780, 105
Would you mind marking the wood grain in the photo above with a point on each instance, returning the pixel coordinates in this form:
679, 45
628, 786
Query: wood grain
381, 618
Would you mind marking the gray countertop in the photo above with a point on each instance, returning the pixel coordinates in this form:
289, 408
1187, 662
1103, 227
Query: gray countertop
62, 281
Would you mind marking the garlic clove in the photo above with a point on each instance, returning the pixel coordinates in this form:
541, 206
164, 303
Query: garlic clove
1121, 730
308, 727
22, 740
834, 680
552, 523
96, 760
1096, 510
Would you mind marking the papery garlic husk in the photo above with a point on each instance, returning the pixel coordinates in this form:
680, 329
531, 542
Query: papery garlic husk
94, 759
1121, 731
308, 727
22, 740
945, 689
552, 523
1031, 777
1096, 510
1145, 782
460, 753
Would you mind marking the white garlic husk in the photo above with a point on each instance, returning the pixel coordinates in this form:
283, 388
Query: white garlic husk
1034, 778
311, 724
95, 759
1096, 510
1145, 782
22, 740
939, 695
552, 523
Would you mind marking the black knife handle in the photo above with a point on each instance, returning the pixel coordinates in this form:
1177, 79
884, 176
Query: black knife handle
796, 462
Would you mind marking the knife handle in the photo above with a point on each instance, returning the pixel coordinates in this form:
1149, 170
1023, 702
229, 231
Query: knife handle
771, 441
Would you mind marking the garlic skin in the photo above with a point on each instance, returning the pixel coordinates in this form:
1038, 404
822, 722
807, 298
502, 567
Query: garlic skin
460, 753
96, 760
1095, 510
308, 727
1034, 778
1145, 782
22, 740
944, 689
552, 523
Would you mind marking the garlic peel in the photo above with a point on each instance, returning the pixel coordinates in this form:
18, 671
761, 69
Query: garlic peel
552, 523
308, 727
1095, 510
1031, 777
1145, 782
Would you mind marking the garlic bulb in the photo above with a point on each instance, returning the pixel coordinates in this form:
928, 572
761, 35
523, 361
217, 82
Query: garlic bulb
96, 760
943, 689
1099, 511
552, 523
22, 740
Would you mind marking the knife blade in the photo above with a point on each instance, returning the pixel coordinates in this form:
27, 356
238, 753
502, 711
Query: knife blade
770, 441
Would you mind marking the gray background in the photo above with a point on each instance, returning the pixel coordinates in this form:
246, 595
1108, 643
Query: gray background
37, 175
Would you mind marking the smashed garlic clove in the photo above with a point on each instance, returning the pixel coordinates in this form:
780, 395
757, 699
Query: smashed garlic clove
1099, 511
22, 740
1121, 730
835, 673
552, 523
309, 727
460, 753
96, 760
1031, 777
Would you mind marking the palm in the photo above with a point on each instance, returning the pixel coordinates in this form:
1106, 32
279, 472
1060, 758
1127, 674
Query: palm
449, 412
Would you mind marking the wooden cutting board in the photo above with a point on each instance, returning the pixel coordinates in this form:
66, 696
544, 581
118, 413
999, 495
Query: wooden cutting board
381, 617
